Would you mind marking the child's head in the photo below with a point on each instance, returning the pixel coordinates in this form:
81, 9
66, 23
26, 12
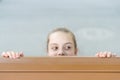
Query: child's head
61, 42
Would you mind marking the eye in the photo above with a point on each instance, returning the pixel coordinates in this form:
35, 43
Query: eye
67, 47
55, 48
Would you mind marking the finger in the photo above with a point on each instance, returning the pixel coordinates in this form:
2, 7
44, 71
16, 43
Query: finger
9, 54
13, 54
4, 55
21, 54
104, 54
101, 54
109, 54
17, 55
98, 54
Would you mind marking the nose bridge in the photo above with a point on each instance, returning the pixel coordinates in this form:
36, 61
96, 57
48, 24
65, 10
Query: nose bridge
60, 51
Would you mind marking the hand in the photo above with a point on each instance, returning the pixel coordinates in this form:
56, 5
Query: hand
105, 54
12, 55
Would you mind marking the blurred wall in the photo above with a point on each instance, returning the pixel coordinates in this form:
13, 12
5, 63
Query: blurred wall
24, 24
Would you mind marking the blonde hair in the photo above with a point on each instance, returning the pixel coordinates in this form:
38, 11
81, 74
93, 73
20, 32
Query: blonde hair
62, 30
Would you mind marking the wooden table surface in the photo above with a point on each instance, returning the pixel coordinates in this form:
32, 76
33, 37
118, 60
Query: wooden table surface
60, 68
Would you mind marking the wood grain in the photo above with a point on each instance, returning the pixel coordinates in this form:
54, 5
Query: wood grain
60, 68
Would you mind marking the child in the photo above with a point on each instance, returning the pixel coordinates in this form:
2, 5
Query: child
60, 42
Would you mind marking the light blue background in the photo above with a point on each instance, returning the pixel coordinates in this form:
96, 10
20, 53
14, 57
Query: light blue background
24, 24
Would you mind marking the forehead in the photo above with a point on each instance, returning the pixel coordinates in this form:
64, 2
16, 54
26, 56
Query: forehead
60, 37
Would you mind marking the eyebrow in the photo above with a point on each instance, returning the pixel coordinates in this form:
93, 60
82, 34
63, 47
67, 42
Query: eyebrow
53, 44
68, 43
57, 44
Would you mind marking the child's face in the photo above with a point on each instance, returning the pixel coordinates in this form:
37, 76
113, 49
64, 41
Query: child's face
61, 44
